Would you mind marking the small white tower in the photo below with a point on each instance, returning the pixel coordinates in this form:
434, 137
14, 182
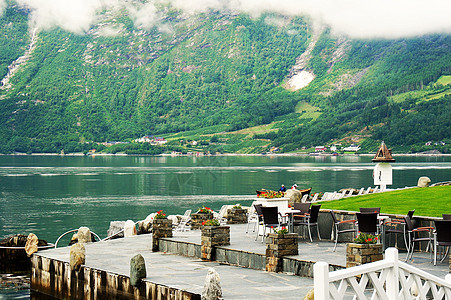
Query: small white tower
383, 171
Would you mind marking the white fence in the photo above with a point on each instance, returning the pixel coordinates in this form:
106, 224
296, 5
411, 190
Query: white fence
388, 279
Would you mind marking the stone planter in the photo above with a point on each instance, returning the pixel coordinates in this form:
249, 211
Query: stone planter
160, 228
236, 216
211, 237
198, 218
359, 254
278, 246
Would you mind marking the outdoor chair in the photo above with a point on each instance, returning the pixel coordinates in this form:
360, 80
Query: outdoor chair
254, 217
368, 223
420, 234
446, 216
398, 226
338, 227
303, 207
442, 237
220, 216
270, 219
258, 209
310, 219
183, 224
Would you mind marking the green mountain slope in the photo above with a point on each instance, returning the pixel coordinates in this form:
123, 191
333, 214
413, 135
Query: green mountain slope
213, 75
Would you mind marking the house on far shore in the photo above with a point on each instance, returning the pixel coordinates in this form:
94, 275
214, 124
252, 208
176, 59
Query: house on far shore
320, 149
152, 140
352, 148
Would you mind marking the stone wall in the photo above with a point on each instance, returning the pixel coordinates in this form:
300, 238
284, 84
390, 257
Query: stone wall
160, 228
278, 246
213, 236
55, 279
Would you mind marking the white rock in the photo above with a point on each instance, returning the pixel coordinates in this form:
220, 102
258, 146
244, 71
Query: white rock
129, 228
212, 287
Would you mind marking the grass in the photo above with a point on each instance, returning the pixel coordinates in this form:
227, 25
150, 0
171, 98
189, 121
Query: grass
430, 202
444, 80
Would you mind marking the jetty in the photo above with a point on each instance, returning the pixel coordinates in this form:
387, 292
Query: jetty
177, 270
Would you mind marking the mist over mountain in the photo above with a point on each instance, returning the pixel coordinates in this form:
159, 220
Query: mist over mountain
249, 75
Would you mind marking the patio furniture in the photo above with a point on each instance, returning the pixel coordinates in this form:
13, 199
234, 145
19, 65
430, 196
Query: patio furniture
302, 207
258, 209
398, 226
270, 219
417, 235
310, 219
338, 227
368, 223
442, 237
254, 217
183, 224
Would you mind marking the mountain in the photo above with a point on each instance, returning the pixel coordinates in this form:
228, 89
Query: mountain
232, 82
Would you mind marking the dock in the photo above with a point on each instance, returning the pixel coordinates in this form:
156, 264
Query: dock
178, 272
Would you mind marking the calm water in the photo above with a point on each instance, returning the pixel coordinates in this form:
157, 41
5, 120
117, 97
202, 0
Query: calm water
48, 195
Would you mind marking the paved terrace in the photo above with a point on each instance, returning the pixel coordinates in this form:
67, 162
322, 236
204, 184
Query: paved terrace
188, 273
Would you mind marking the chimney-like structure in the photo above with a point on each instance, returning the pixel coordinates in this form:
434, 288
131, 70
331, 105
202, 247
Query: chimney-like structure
382, 173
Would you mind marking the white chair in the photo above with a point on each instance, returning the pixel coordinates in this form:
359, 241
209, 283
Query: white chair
304, 198
361, 191
376, 189
367, 190
315, 197
183, 225
221, 215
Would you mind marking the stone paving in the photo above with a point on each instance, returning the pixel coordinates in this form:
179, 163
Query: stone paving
189, 273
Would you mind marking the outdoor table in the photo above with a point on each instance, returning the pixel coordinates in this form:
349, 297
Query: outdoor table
289, 213
381, 220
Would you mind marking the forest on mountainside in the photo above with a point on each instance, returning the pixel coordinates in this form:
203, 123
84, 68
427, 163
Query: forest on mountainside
220, 73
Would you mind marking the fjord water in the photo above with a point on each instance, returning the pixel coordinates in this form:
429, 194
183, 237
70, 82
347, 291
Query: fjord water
48, 195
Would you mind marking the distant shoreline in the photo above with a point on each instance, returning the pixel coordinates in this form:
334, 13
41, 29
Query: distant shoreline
225, 154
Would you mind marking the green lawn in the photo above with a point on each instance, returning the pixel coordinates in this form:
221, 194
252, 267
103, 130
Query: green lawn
431, 201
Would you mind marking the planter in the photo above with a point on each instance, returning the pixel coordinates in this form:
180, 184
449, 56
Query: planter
359, 254
198, 218
211, 237
236, 216
160, 228
278, 246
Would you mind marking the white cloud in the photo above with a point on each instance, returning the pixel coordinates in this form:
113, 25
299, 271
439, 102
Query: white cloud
2, 6
355, 18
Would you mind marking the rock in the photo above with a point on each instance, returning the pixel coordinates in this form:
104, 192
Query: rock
115, 227
423, 181
212, 287
295, 197
31, 245
129, 228
310, 295
84, 235
137, 270
77, 256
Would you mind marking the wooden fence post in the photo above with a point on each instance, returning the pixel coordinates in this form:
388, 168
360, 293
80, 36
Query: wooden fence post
391, 254
321, 280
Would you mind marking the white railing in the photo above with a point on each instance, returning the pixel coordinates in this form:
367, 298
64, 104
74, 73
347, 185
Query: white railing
386, 279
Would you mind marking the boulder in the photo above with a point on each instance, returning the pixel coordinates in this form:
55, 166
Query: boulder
129, 228
423, 181
295, 197
31, 245
137, 270
212, 287
84, 235
115, 227
77, 256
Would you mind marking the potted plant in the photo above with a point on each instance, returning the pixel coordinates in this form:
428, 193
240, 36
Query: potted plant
279, 244
237, 215
365, 249
213, 235
203, 214
161, 227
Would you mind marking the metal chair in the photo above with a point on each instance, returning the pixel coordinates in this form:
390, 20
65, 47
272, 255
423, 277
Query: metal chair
254, 217
415, 235
367, 222
303, 207
338, 230
442, 237
370, 210
310, 219
398, 226
446, 216
270, 218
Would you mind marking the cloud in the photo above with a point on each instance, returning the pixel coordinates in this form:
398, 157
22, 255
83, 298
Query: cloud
354, 18
2, 6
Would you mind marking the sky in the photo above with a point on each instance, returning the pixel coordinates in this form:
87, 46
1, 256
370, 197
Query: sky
365, 19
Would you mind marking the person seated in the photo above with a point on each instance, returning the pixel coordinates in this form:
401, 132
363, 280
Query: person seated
283, 189
294, 186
